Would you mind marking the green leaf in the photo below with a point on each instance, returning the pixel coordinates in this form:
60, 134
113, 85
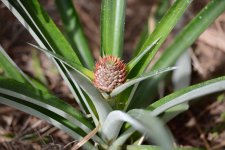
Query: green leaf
87, 103
122, 138
173, 112
161, 31
142, 121
41, 27
49, 30
136, 59
154, 17
46, 115
74, 32
112, 27
28, 94
43, 99
138, 79
158, 131
72, 64
14, 72
187, 94
166, 116
101, 105
190, 33
180, 44
11, 69
103, 108
42, 39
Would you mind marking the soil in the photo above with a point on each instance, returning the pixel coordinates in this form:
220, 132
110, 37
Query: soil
203, 125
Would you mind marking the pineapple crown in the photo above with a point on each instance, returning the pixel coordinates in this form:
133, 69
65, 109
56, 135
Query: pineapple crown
109, 73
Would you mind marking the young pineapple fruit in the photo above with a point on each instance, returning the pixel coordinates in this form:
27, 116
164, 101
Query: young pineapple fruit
109, 73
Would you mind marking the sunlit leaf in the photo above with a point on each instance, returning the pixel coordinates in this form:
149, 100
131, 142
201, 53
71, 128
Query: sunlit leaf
161, 31
46, 115
44, 41
180, 44
142, 121
11, 69
101, 105
138, 79
187, 94
136, 59
112, 27
74, 32
68, 62
43, 99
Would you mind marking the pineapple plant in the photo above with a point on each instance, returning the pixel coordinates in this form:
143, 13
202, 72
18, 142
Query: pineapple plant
116, 95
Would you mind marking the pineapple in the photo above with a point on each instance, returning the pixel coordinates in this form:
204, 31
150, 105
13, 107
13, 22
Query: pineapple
109, 73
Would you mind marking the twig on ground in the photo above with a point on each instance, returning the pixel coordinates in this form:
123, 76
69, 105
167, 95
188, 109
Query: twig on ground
86, 138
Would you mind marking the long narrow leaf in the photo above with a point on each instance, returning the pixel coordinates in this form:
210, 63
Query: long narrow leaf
14, 72
138, 79
161, 31
180, 44
173, 112
10, 68
39, 98
84, 101
74, 31
158, 131
187, 94
136, 59
68, 62
42, 39
46, 115
112, 26
191, 32
142, 121
43, 99
102, 107
49, 29
122, 138
39, 16
167, 116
